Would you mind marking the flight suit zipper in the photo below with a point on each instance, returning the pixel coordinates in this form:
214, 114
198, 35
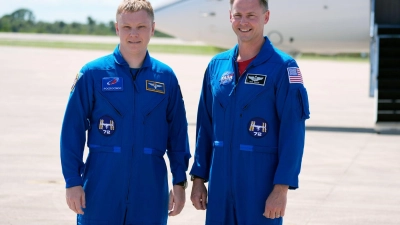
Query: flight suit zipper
133, 75
231, 145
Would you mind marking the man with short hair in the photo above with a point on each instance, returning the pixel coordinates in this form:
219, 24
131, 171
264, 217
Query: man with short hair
132, 108
250, 126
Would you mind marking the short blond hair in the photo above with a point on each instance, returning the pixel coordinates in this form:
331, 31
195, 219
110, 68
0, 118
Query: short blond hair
263, 3
134, 6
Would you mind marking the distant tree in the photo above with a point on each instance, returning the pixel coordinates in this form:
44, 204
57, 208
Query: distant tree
90, 21
111, 26
23, 20
23, 15
42, 27
5, 23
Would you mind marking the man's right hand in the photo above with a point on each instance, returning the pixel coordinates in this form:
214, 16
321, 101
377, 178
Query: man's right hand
199, 194
75, 197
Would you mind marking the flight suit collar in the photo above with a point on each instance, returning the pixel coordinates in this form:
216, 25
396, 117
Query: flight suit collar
265, 53
119, 59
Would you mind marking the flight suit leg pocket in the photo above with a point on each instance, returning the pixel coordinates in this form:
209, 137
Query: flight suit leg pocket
218, 146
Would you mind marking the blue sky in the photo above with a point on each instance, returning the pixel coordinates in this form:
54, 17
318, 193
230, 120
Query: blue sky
66, 10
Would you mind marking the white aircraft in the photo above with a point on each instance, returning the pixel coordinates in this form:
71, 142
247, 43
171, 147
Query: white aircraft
295, 26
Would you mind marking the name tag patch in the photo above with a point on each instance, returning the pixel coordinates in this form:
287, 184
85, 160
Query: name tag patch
258, 127
113, 84
155, 86
106, 125
256, 79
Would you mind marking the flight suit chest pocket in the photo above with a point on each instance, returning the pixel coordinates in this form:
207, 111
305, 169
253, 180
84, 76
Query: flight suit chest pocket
221, 92
106, 123
151, 103
154, 108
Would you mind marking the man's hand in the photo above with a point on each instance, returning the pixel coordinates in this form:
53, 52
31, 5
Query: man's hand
177, 200
75, 197
199, 194
276, 202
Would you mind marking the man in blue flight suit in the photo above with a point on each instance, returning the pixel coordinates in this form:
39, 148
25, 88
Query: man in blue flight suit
250, 126
131, 106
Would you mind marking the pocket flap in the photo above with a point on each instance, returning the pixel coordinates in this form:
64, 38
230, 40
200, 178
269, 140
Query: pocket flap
101, 148
218, 144
153, 151
255, 148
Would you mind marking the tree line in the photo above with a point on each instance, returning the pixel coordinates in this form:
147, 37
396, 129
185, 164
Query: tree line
23, 20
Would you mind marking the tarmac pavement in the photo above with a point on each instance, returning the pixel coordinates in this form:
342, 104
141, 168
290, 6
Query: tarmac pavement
350, 174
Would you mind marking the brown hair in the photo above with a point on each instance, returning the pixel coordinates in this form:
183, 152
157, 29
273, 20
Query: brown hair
263, 3
134, 6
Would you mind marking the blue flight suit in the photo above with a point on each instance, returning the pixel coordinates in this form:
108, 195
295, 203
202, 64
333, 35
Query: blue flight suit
132, 117
250, 134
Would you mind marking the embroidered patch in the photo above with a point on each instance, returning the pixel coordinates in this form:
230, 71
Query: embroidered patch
294, 75
155, 86
257, 79
78, 75
106, 125
258, 127
113, 84
226, 78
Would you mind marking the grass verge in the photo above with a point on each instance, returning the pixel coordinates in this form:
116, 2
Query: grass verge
176, 49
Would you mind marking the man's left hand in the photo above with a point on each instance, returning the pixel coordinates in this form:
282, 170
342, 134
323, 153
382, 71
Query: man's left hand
276, 202
177, 200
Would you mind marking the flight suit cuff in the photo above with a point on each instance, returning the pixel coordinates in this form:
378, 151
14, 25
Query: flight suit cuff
74, 181
178, 177
197, 172
292, 183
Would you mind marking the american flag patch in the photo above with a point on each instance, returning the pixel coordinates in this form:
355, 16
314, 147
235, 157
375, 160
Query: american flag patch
294, 75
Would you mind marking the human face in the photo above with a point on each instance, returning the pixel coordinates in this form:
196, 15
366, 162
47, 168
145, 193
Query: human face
134, 30
248, 19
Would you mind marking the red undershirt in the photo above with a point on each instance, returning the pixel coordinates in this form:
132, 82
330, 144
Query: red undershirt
243, 65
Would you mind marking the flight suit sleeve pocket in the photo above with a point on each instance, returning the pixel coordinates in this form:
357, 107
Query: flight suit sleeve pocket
153, 151
304, 103
100, 148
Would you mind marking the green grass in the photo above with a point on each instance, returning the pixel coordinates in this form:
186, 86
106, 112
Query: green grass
178, 49
43, 44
